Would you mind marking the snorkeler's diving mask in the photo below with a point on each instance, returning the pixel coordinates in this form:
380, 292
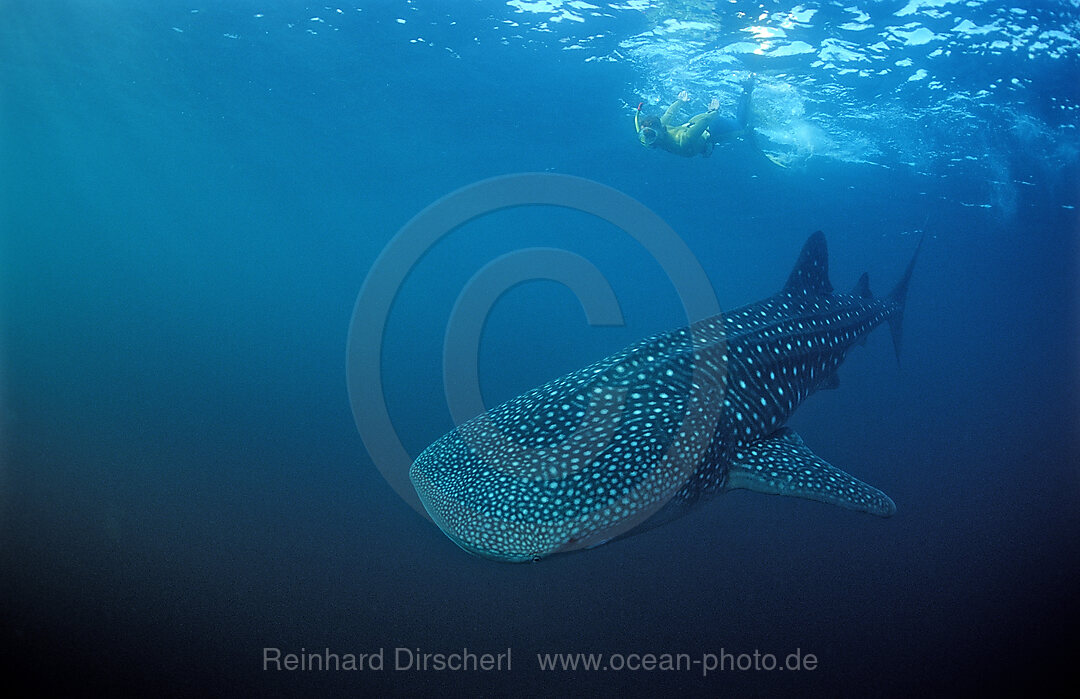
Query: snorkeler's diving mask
648, 135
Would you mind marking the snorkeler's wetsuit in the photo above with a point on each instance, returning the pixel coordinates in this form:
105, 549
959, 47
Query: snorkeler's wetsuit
698, 135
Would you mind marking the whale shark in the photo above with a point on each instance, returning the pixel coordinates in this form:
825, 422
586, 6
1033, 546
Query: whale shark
639, 438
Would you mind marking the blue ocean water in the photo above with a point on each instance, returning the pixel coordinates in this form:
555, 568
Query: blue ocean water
192, 195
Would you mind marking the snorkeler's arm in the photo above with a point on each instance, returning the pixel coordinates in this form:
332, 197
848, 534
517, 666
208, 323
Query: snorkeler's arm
672, 112
698, 124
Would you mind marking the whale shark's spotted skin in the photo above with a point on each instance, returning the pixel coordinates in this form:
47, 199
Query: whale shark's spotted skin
642, 435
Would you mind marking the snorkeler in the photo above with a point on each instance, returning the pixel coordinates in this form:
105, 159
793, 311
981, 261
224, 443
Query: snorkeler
701, 133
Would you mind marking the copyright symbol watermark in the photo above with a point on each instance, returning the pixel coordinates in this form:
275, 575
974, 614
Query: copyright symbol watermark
462, 337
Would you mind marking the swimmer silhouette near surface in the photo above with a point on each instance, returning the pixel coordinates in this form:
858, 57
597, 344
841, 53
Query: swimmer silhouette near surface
701, 133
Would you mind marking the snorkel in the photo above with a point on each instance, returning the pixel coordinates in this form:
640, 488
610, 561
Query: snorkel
648, 128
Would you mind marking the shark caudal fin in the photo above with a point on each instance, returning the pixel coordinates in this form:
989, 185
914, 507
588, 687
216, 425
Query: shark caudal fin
898, 296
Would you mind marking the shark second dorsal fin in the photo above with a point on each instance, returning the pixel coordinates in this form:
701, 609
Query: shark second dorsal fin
811, 273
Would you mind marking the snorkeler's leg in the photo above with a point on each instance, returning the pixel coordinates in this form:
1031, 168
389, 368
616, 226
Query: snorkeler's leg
724, 129
742, 111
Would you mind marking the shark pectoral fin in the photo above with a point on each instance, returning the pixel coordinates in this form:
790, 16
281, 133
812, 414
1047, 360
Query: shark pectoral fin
781, 464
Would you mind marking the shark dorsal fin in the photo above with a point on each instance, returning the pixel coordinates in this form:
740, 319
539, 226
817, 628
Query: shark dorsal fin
862, 287
811, 273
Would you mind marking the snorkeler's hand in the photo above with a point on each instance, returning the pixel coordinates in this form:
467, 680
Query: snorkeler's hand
684, 96
714, 104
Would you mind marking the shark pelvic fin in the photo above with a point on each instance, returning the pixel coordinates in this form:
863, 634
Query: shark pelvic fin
781, 464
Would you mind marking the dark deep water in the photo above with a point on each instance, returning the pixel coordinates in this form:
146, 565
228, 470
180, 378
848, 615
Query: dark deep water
190, 202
